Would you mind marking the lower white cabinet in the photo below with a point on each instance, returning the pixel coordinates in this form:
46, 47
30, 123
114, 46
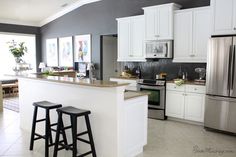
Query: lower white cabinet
185, 102
175, 104
194, 107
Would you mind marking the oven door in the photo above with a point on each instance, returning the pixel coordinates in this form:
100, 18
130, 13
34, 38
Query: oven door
156, 98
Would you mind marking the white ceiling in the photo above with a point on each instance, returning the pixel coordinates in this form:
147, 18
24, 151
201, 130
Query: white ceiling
36, 12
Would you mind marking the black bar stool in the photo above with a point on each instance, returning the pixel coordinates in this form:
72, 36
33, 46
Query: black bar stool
48, 130
74, 113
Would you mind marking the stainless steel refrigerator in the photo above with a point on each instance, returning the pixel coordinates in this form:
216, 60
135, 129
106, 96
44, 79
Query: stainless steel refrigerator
220, 106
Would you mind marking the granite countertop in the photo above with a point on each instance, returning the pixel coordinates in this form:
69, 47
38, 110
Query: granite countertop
127, 78
134, 94
71, 80
189, 82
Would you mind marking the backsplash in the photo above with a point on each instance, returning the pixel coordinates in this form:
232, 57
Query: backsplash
149, 69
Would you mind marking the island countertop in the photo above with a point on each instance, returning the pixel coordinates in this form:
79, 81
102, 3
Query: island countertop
72, 80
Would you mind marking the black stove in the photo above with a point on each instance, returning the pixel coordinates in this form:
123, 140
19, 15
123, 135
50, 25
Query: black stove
156, 97
159, 82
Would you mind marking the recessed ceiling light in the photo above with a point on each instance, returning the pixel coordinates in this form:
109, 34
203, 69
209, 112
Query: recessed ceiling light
64, 5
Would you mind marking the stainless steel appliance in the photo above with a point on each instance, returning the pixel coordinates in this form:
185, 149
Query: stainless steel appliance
220, 109
159, 49
156, 98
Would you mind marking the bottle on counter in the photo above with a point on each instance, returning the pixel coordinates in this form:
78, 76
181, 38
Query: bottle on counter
138, 72
180, 72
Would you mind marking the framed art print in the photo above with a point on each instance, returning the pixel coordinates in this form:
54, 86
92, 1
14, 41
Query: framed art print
65, 52
51, 52
82, 48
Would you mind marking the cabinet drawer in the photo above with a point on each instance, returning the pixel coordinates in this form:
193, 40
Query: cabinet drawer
196, 89
174, 87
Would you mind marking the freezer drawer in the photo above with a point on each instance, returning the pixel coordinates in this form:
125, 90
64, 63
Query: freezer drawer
220, 113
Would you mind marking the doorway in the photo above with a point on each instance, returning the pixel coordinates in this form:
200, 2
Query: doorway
109, 65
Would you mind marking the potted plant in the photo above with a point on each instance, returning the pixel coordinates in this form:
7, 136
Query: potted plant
17, 50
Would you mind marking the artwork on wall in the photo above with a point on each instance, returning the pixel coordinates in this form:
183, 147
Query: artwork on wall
52, 52
82, 47
65, 52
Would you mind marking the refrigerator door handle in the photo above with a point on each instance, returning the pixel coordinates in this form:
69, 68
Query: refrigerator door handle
233, 68
229, 67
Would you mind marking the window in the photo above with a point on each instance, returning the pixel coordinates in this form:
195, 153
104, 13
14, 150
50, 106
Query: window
7, 61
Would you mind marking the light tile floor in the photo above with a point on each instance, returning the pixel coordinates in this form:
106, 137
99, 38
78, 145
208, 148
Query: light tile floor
165, 139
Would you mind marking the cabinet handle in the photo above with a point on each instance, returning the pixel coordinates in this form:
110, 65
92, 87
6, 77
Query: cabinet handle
234, 28
195, 88
157, 35
192, 55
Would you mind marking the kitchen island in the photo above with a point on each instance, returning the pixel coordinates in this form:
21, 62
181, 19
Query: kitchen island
118, 118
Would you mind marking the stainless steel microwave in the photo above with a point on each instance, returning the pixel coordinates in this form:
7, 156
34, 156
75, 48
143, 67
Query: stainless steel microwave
159, 49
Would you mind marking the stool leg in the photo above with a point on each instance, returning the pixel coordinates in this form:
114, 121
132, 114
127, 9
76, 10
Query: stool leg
59, 122
64, 135
74, 135
33, 128
47, 133
50, 131
90, 135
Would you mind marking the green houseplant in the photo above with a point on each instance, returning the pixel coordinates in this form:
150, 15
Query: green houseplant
17, 50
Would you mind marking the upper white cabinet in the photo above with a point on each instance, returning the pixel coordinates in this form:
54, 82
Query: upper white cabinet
131, 39
224, 16
192, 29
159, 21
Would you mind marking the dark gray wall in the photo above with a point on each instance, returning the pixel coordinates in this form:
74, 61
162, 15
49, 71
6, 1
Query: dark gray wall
100, 19
25, 30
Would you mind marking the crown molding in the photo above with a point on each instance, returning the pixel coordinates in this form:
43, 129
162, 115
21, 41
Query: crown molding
18, 22
51, 18
66, 10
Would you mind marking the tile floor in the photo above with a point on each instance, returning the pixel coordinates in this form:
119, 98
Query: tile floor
165, 139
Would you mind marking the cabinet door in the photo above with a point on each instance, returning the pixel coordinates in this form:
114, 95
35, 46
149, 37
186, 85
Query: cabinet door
201, 33
165, 23
137, 38
123, 39
150, 24
183, 36
194, 107
223, 16
175, 104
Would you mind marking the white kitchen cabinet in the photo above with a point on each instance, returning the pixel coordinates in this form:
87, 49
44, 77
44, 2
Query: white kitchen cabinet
132, 83
192, 29
123, 38
175, 104
183, 34
194, 107
185, 102
159, 21
224, 16
131, 39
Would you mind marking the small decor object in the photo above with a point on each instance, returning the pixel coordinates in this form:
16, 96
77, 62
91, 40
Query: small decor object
52, 52
42, 66
82, 48
17, 50
65, 52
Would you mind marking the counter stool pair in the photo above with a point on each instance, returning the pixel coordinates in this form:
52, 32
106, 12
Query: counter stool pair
74, 113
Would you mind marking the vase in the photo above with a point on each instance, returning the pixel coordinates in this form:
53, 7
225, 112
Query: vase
18, 59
